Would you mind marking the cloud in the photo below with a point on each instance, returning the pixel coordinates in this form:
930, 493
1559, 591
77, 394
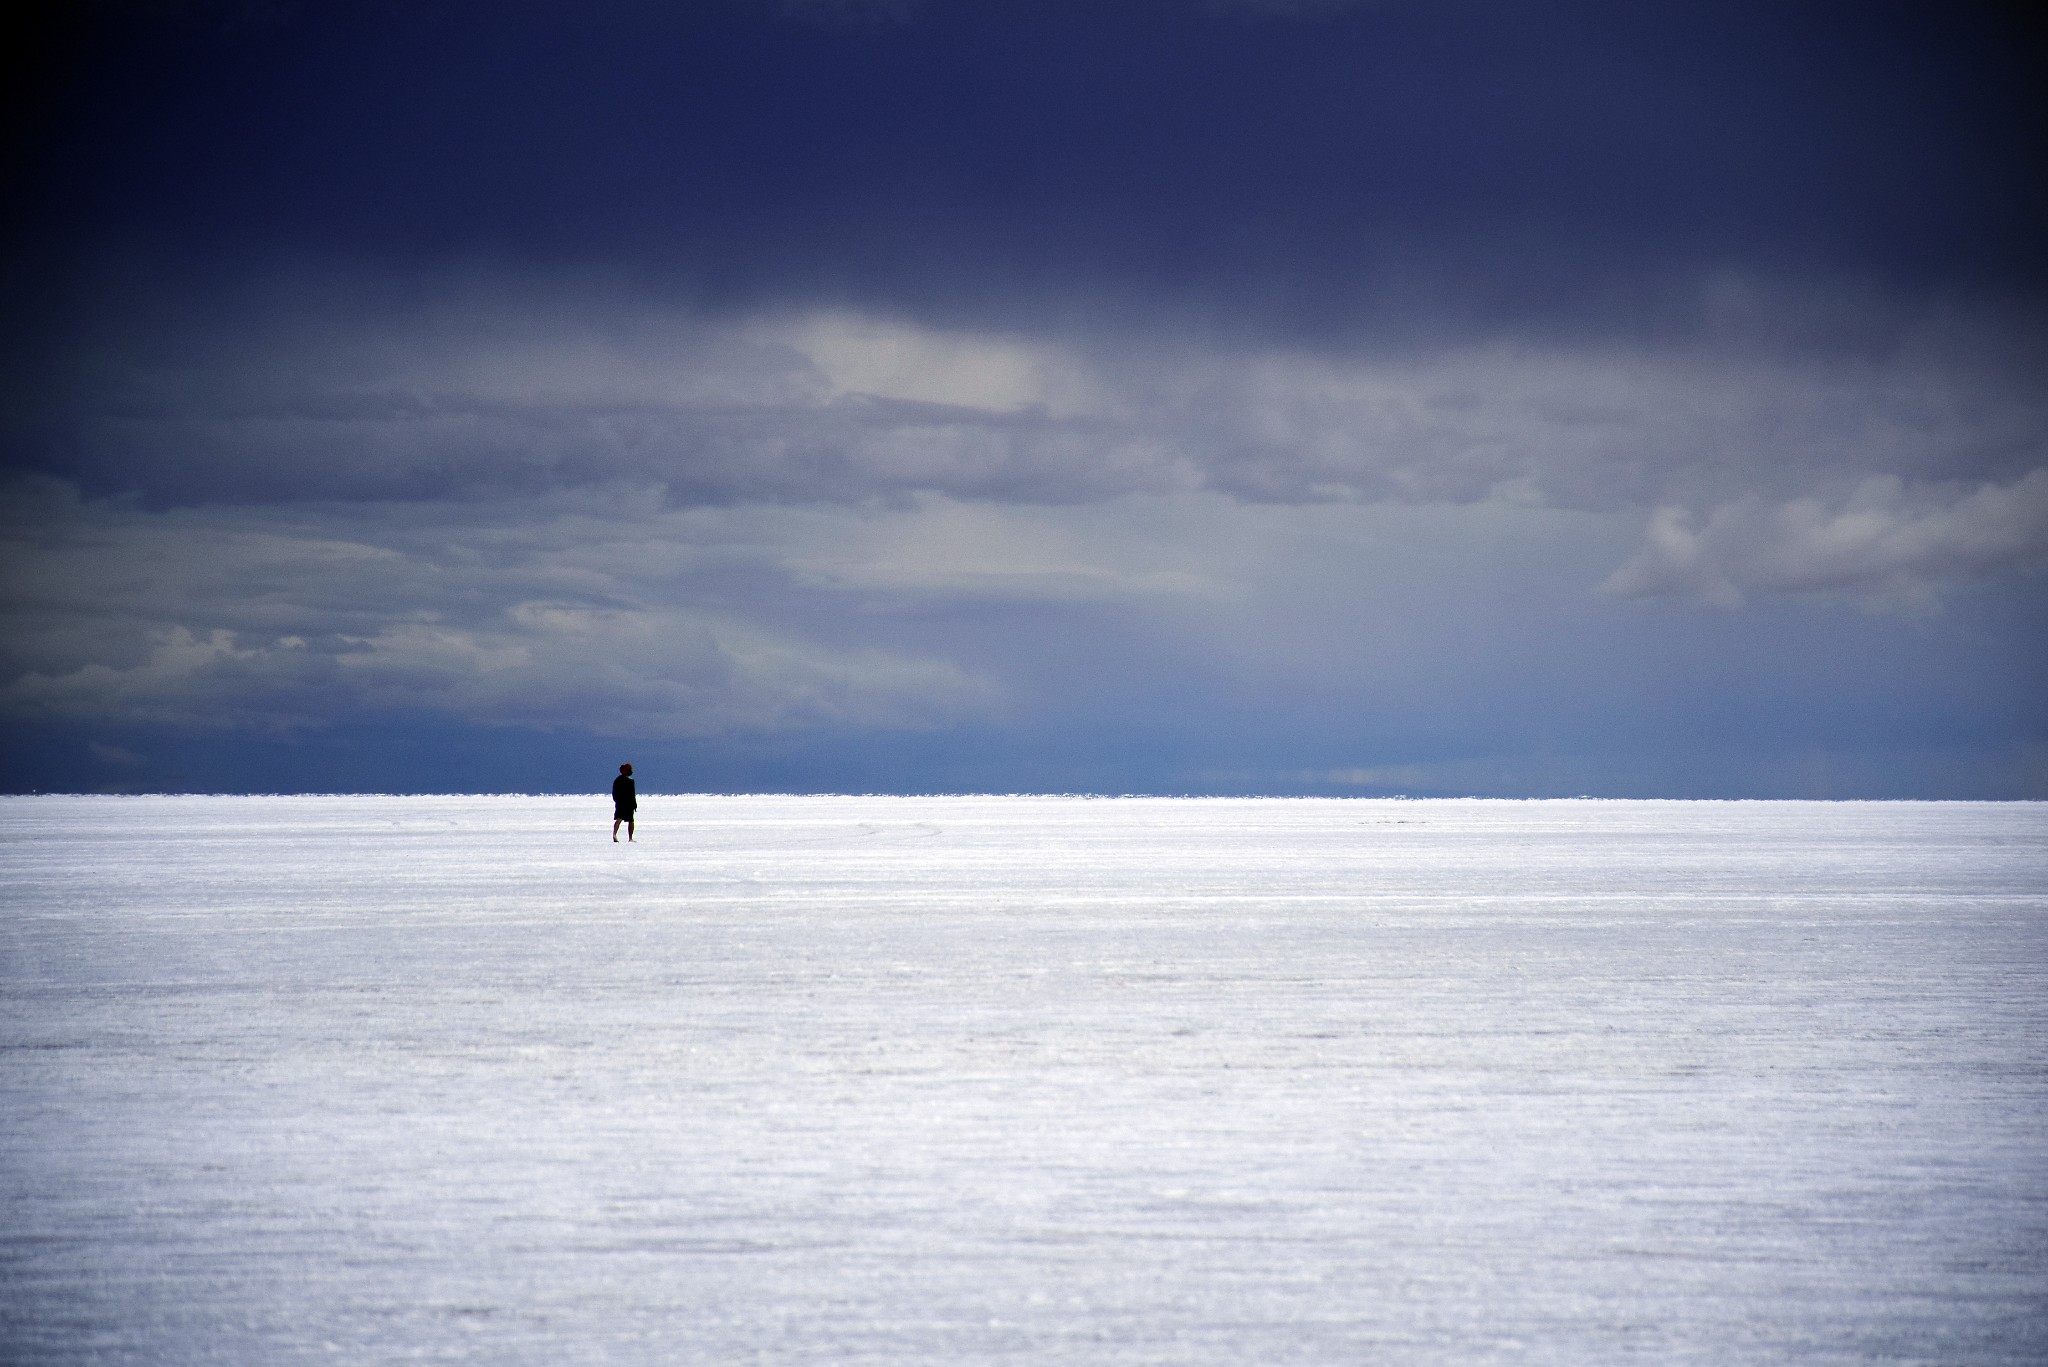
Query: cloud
989, 553
1888, 544
482, 392
879, 358
287, 621
606, 609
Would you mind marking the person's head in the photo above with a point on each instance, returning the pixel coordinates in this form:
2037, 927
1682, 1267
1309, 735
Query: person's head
625, 768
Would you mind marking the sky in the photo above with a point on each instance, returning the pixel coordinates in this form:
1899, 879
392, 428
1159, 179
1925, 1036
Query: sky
1172, 396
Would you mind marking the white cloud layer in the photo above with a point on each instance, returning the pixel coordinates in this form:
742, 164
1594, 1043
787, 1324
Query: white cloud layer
1888, 544
256, 618
605, 609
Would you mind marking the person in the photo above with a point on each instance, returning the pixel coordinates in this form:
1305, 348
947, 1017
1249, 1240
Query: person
623, 802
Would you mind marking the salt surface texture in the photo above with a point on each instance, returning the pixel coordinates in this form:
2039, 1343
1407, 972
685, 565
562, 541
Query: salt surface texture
1022, 1080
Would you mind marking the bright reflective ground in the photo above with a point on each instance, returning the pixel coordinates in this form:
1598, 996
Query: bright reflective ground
1022, 1080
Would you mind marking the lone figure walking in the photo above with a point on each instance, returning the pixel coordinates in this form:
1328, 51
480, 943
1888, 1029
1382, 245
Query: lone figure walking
623, 802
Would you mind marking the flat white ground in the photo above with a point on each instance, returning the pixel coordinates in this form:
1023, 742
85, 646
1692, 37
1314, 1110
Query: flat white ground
1022, 1080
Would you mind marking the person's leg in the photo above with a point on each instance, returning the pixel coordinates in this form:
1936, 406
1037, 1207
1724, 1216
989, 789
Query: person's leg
629, 828
615, 830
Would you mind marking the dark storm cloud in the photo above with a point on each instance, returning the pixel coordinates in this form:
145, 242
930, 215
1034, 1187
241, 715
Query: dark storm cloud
1562, 248
1154, 186
1279, 169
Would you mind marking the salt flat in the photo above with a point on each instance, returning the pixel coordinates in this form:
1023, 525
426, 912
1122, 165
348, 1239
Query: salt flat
1022, 1080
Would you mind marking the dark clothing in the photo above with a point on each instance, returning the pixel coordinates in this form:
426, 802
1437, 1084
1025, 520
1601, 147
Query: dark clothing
623, 799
